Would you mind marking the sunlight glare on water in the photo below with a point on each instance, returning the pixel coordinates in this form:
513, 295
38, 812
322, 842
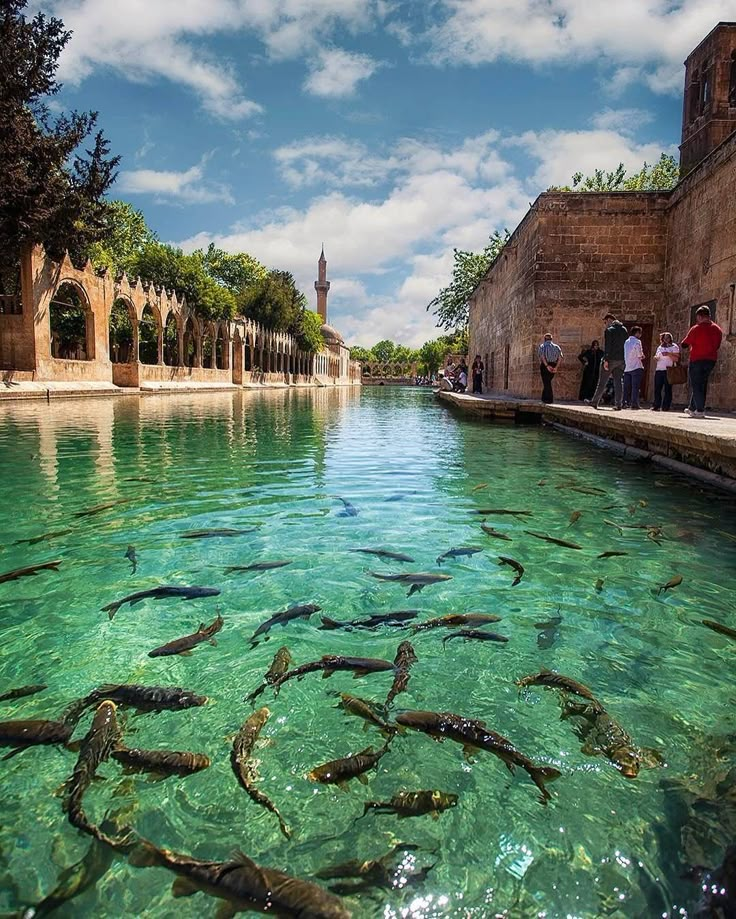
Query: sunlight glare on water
280, 462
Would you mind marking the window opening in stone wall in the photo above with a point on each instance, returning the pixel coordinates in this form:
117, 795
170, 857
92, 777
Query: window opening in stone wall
732, 81
246, 355
220, 350
711, 304
694, 97
705, 90
148, 337
122, 321
732, 309
507, 359
171, 341
208, 348
190, 343
72, 331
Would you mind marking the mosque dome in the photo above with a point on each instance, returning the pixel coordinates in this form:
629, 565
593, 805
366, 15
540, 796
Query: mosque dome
332, 336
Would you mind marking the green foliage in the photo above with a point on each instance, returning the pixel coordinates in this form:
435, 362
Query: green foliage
274, 301
432, 356
384, 351
126, 235
450, 306
308, 331
364, 355
51, 191
662, 176
234, 271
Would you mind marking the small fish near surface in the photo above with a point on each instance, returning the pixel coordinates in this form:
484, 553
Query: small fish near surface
575, 516
370, 712
333, 663
340, 771
489, 511
260, 566
185, 644
161, 593
565, 543
244, 885
29, 571
552, 680
454, 620
403, 661
279, 666
418, 581
397, 869
387, 554
303, 611
721, 629
549, 632
599, 585
512, 563
496, 534
460, 552
479, 487
474, 735
22, 691
475, 635
161, 762
99, 508
222, 533
413, 804
349, 510
673, 582
45, 537
244, 767
132, 558
612, 554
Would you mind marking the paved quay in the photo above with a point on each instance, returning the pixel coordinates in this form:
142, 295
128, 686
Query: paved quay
703, 447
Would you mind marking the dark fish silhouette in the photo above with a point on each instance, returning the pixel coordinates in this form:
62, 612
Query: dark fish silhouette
215, 534
721, 629
487, 511
99, 508
332, 663
611, 554
141, 698
131, 556
283, 619
557, 681
260, 566
549, 632
22, 734
349, 509
475, 635
512, 563
370, 712
340, 771
29, 571
185, 644
161, 593
459, 553
413, 804
673, 582
279, 666
453, 620
397, 618
44, 538
418, 581
22, 691
496, 534
405, 657
385, 553
396, 870
565, 543
161, 762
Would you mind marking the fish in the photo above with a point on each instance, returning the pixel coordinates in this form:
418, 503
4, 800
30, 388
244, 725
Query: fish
496, 534
385, 553
244, 767
102, 738
474, 735
350, 509
475, 634
340, 771
673, 582
554, 680
332, 663
161, 762
459, 553
512, 563
599, 584
403, 661
611, 554
330, 625
486, 511
602, 735
245, 885
395, 870
413, 804
452, 620
215, 534
260, 566
43, 538
279, 666
23, 734
616, 526
131, 556
721, 629
397, 617
480, 487
549, 632
161, 593
141, 478
28, 571
132, 695
99, 508
22, 691
370, 712
417, 581
575, 516
566, 544
283, 619
643, 502
587, 490
185, 644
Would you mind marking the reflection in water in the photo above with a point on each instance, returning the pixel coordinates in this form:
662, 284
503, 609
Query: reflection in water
285, 465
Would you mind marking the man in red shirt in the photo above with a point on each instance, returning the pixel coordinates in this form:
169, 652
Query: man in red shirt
703, 340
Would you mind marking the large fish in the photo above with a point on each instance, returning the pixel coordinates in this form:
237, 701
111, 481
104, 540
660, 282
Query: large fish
496, 534
141, 698
260, 566
612, 553
279, 666
396, 870
340, 771
22, 691
565, 543
460, 552
413, 804
453, 620
405, 657
418, 581
161, 593
370, 712
474, 735
557, 681
721, 629
215, 534
161, 762
349, 509
549, 632
673, 582
512, 563
22, 734
184, 645
283, 619
397, 618
28, 571
244, 767
245, 885
332, 663
102, 738
385, 553
475, 635
487, 511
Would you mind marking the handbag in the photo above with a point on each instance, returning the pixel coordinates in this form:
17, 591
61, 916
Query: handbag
676, 374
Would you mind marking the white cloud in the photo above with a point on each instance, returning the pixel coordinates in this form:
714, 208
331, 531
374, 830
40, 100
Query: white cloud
625, 120
187, 187
335, 73
653, 35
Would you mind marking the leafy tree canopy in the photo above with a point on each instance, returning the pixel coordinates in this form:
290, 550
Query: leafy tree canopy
52, 192
277, 303
662, 176
234, 271
126, 235
308, 331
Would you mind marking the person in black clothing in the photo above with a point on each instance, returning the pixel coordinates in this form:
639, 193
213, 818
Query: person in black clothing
612, 366
478, 369
591, 359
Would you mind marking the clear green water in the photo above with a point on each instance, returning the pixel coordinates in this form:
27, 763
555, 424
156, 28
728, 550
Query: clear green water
604, 846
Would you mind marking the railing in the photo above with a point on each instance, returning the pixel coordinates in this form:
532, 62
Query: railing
10, 305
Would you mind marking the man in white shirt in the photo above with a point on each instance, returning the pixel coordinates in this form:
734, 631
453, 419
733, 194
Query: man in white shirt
633, 368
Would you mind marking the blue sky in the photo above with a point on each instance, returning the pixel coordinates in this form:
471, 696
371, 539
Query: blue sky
390, 130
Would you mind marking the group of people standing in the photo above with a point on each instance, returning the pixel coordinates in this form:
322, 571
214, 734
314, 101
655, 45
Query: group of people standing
620, 365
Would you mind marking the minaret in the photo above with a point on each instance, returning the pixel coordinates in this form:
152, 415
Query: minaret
322, 285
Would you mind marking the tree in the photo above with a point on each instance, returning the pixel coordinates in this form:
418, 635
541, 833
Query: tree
274, 301
432, 356
308, 331
126, 236
234, 271
450, 306
364, 355
663, 176
51, 191
384, 351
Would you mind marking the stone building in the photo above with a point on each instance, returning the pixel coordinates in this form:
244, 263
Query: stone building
78, 326
649, 257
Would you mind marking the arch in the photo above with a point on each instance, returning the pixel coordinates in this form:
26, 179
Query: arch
71, 323
222, 342
237, 357
123, 328
208, 346
694, 97
172, 358
191, 354
248, 353
149, 335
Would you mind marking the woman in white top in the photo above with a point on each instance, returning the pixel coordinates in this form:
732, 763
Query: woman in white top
666, 355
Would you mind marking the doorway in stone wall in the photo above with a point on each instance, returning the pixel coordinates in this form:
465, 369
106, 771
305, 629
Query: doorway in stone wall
647, 333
